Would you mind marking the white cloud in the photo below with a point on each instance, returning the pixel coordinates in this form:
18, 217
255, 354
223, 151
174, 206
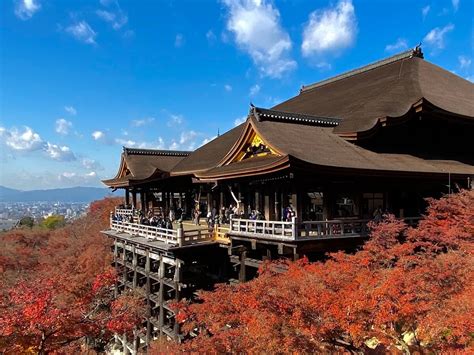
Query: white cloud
207, 140
63, 126
227, 87
60, 153
25, 140
116, 19
425, 10
436, 37
69, 178
464, 62
254, 90
399, 45
25, 9
175, 120
174, 146
455, 4
257, 30
142, 122
179, 40
330, 30
91, 164
187, 137
240, 120
143, 145
470, 78
71, 110
211, 37
82, 32
98, 135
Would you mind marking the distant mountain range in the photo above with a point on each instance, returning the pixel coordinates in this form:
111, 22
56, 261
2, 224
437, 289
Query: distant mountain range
71, 194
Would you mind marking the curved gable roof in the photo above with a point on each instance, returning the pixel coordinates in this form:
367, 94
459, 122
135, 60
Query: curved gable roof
140, 164
388, 88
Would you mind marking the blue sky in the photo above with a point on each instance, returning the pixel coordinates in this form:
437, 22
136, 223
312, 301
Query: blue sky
80, 79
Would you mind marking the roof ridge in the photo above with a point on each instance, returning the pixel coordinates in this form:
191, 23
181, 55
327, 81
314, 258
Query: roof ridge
415, 52
263, 114
159, 152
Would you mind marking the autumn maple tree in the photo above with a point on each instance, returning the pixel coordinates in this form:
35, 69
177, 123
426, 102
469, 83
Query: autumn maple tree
57, 287
407, 289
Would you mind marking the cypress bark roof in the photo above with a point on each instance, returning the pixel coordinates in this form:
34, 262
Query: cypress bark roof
142, 164
389, 88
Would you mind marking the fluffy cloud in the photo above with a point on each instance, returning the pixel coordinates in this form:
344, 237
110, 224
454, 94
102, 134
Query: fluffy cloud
63, 126
116, 19
60, 153
254, 90
425, 10
240, 120
399, 45
71, 110
175, 120
27, 140
25, 9
142, 122
210, 36
179, 40
91, 164
227, 87
82, 32
455, 4
98, 135
257, 30
436, 37
129, 143
68, 178
464, 62
330, 30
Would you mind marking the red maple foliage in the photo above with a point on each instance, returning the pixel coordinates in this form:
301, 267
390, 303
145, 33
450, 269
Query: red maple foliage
57, 287
407, 289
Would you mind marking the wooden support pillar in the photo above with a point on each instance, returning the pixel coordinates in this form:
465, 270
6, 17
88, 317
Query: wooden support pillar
327, 204
149, 326
166, 197
142, 201
124, 260
116, 290
134, 199
161, 299
134, 266
127, 197
269, 205
297, 202
242, 274
221, 201
180, 200
277, 206
209, 202
177, 279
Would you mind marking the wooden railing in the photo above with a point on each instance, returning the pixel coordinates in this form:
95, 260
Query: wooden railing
292, 231
333, 229
169, 236
124, 212
263, 229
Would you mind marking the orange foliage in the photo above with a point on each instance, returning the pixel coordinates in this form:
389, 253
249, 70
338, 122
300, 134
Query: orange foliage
57, 286
407, 289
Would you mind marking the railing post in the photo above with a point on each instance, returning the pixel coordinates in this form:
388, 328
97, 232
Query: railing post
230, 221
180, 234
294, 228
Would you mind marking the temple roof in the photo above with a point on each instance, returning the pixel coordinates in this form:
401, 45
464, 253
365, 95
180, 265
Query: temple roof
385, 89
137, 165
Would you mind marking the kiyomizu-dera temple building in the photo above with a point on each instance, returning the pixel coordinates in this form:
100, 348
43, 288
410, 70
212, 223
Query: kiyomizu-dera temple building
301, 178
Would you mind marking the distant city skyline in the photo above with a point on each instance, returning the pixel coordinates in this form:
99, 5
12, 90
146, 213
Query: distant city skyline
79, 80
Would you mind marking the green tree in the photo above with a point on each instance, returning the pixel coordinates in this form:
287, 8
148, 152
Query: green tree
27, 221
53, 222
